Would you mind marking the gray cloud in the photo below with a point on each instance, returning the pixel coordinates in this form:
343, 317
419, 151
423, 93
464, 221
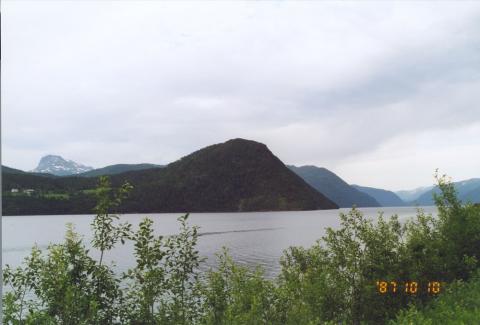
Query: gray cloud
342, 85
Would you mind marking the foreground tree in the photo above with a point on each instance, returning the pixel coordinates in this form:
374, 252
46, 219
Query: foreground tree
65, 285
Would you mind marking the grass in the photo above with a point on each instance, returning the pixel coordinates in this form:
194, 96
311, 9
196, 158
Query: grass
60, 196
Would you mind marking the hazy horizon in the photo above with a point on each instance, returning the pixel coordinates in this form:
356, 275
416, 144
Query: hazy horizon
381, 94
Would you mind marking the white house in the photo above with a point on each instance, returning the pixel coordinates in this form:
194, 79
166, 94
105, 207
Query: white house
28, 191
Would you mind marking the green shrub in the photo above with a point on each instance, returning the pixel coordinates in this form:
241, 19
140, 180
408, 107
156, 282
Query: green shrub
459, 305
236, 295
335, 280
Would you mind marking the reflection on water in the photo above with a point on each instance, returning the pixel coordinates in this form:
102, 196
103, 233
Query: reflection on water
252, 238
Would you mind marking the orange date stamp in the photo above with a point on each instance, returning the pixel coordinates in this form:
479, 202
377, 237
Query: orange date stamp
409, 287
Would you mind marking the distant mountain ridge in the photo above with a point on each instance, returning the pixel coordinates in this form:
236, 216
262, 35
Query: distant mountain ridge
118, 169
384, 197
468, 191
10, 170
52, 177
333, 187
472, 196
238, 175
56, 165
411, 195
14, 171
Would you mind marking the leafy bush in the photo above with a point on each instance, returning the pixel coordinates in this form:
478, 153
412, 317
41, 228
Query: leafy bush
459, 305
236, 295
64, 285
335, 280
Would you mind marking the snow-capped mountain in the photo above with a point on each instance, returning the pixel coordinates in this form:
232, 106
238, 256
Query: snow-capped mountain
56, 165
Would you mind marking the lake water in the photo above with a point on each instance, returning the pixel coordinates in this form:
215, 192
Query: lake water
253, 238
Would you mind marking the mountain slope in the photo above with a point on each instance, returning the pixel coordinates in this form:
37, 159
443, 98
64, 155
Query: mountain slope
468, 191
384, 197
10, 170
56, 165
118, 169
472, 196
411, 195
238, 175
333, 187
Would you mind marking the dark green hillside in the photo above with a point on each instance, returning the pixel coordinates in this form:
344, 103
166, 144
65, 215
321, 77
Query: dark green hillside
118, 169
9, 170
333, 187
77, 203
50, 195
238, 175
42, 183
384, 197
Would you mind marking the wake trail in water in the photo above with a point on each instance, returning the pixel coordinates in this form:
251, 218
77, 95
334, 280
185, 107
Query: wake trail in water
234, 231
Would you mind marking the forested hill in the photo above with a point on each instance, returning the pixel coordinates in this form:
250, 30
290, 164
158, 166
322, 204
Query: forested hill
9, 170
238, 175
335, 188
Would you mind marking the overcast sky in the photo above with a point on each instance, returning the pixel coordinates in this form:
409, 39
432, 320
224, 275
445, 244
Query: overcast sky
379, 93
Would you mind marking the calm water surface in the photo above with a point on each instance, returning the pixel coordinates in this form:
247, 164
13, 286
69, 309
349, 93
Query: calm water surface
253, 238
